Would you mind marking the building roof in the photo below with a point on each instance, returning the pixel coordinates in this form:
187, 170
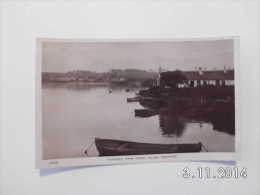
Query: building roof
210, 75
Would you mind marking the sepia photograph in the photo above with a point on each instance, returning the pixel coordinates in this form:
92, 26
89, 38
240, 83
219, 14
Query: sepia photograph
112, 102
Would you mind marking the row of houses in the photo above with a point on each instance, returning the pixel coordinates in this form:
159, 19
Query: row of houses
206, 77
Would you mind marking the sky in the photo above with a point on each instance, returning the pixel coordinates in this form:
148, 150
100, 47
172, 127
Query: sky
170, 55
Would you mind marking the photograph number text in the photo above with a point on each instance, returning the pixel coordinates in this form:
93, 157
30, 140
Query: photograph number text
221, 173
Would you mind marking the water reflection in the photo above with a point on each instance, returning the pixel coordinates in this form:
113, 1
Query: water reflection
173, 121
75, 86
91, 86
223, 124
73, 115
171, 126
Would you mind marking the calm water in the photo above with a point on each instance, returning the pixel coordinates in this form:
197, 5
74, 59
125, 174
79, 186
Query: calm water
75, 114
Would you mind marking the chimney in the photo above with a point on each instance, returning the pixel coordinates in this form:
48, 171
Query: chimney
200, 71
225, 71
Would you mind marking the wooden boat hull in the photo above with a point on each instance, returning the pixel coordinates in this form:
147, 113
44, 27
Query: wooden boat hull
155, 104
108, 147
133, 99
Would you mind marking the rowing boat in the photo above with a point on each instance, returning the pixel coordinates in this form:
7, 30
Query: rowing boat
109, 147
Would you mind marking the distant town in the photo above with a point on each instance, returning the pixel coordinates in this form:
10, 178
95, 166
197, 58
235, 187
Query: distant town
117, 76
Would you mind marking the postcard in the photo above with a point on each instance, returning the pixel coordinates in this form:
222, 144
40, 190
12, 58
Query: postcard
102, 102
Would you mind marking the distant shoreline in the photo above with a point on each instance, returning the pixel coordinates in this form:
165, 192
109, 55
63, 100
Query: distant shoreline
125, 84
72, 83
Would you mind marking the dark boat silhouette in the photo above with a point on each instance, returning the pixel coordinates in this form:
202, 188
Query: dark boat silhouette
137, 98
133, 99
154, 103
109, 147
152, 107
145, 113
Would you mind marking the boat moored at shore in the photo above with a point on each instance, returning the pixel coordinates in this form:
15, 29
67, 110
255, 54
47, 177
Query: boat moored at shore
110, 147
